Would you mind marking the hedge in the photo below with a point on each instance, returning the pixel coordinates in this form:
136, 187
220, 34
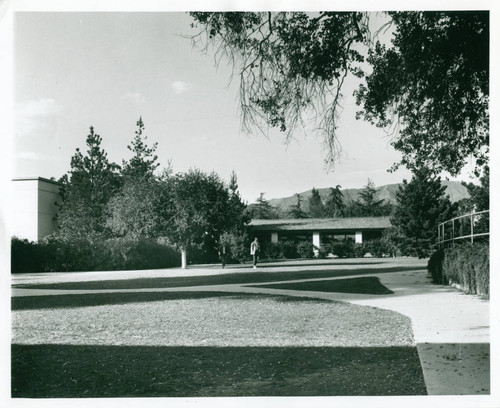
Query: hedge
51, 255
467, 265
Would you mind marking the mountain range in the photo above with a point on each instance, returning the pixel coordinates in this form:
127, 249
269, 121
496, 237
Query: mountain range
454, 189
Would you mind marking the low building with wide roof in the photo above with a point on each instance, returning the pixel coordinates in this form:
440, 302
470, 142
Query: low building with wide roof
321, 231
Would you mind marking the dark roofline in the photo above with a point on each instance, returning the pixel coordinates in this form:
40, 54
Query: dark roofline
37, 179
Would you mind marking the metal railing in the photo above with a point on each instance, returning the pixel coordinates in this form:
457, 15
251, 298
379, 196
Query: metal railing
473, 226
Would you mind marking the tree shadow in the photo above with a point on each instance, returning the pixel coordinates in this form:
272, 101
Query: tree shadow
101, 299
223, 279
72, 371
366, 285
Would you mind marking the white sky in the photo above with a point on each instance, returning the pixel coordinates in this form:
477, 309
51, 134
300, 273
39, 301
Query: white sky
73, 70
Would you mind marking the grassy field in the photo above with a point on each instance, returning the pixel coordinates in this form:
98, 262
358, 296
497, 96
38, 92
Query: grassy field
178, 343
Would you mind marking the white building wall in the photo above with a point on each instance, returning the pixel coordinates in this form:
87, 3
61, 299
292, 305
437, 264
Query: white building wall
32, 208
47, 209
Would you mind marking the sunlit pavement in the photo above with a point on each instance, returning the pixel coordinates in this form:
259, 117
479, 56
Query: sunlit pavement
451, 329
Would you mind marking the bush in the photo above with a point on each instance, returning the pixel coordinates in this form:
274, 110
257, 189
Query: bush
237, 247
26, 256
323, 251
435, 267
289, 249
305, 249
467, 265
273, 250
348, 249
55, 255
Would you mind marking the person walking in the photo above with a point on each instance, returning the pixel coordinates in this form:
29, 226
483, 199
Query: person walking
254, 251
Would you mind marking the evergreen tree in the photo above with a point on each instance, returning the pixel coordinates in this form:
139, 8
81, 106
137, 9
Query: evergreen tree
368, 204
92, 181
144, 162
316, 207
133, 212
334, 206
296, 210
421, 206
262, 209
238, 216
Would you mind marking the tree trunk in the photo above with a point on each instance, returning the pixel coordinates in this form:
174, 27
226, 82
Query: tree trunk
183, 258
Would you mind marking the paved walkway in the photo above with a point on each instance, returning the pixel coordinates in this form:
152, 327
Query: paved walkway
451, 329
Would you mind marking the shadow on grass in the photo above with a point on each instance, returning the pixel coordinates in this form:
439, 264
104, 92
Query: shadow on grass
100, 299
369, 285
66, 371
224, 279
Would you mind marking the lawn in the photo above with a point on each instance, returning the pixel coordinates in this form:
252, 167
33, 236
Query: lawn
174, 344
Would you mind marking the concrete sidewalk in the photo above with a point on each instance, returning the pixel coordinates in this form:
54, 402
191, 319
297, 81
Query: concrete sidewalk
451, 329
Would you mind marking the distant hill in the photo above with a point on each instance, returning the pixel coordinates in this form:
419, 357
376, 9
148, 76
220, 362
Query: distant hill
454, 189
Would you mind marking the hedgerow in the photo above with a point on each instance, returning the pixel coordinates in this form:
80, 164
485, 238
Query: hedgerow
54, 255
467, 265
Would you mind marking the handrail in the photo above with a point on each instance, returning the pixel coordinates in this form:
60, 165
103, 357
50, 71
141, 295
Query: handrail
474, 220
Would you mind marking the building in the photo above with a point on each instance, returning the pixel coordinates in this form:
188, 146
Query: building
34, 207
320, 231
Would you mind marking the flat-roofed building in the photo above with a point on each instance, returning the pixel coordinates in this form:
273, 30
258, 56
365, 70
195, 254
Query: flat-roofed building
33, 207
320, 231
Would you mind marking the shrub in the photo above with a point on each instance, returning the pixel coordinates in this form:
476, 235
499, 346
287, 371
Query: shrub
56, 255
467, 265
323, 251
289, 249
305, 249
348, 249
237, 247
273, 250
435, 267
26, 256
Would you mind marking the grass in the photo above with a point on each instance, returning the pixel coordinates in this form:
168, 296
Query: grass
178, 344
56, 371
367, 285
224, 279
242, 320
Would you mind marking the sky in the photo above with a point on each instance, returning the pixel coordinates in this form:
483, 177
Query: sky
76, 70
80, 69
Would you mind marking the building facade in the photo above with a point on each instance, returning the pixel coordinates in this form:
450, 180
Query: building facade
320, 231
33, 207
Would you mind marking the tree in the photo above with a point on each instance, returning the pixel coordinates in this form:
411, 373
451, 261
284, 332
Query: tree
421, 206
262, 209
334, 206
198, 210
92, 181
432, 81
367, 203
296, 210
134, 211
316, 207
143, 162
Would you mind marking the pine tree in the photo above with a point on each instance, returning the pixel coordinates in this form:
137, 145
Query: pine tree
421, 206
144, 161
262, 209
296, 210
92, 181
367, 203
316, 207
334, 206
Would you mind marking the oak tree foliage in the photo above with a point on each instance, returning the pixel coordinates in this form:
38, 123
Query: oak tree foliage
428, 87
